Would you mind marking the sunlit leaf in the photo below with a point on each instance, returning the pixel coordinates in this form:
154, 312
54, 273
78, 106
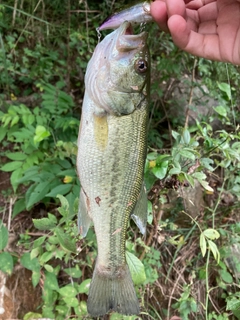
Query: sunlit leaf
11, 166
214, 249
84, 286
3, 236
203, 244
211, 234
6, 262
68, 291
44, 224
225, 87
136, 268
41, 133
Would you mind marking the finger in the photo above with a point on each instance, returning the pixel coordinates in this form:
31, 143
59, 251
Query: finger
208, 12
180, 32
196, 4
206, 46
159, 14
176, 7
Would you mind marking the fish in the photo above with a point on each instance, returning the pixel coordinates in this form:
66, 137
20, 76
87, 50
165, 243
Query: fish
112, 147
137, 14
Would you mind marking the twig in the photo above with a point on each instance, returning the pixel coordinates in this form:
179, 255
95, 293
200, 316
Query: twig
152, 233
10, 213
28, 21
84, 11
172, 292
191, 93
68, 44
14, 12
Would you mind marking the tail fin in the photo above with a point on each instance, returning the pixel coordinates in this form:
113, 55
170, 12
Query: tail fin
112, 291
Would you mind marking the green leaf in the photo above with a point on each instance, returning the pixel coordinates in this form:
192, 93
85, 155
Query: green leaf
62, 190
45, 257
186, 136
16, 156
44, 224
41, 133
221, 111
211, 234
214, 249
39, 241
48, 267
35, 252
19, 206
28, 263
187, 154
16, 174
38, 193
68, 291
73, 272
199, 175
81, 309
174, 171
136, 268
226, 276
65, 241
14, 121
160, 170
225, 87
175, 134
3, 131
84, 286
206, 185
64, 202
51, 281
233, 304
36, 275
52, 217
203, 244
3, 236
188, 177
6, 262
62, 310
206, 162
32, 315
71, 301
11, 166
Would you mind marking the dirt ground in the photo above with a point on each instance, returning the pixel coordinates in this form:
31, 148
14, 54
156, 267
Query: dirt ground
17, 294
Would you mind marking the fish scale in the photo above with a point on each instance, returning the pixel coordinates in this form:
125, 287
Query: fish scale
111, 156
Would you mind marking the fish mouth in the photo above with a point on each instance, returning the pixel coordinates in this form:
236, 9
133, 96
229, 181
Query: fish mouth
127, 41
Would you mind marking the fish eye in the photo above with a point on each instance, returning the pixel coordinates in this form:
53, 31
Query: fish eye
141, 66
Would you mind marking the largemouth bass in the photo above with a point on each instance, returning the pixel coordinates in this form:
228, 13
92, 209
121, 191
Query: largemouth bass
111, 156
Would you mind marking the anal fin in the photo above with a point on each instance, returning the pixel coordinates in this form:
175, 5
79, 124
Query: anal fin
140, 211
84, 219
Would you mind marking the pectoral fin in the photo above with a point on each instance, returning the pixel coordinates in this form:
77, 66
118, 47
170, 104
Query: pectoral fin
123, 102
84, 219
140, 210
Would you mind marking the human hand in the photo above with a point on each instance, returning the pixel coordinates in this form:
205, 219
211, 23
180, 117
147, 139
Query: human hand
205, 28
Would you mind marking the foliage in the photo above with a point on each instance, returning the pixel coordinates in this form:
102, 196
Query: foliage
44, 146
44, 51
